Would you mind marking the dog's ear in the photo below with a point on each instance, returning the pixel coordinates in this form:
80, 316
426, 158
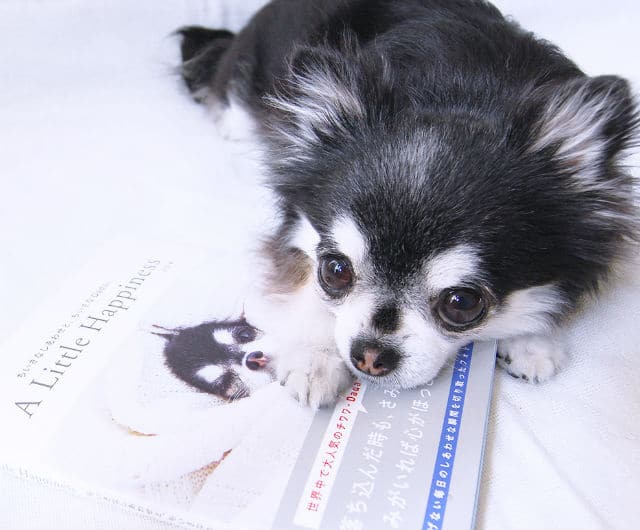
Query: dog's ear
585, 123
165, 333
319, 99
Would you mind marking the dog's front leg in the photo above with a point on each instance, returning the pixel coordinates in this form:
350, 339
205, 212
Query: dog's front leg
317, 380
534, 357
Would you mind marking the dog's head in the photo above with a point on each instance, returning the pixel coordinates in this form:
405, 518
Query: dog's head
429, 220
218, 357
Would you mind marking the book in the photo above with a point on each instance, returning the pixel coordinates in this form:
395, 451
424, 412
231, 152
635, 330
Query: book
104, 392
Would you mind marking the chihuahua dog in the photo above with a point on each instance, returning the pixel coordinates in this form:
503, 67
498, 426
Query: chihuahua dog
442, 175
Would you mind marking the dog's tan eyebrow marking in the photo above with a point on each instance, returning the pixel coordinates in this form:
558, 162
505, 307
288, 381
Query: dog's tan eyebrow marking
290, 267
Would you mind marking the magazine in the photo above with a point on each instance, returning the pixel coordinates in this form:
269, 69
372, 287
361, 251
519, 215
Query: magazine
104, 391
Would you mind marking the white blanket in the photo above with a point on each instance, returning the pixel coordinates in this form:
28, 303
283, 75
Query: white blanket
98, 137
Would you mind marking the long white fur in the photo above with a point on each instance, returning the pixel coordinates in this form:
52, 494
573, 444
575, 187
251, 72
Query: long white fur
324, 102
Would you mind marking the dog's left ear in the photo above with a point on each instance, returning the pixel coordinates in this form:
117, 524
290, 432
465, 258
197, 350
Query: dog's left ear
320, 98
585, 123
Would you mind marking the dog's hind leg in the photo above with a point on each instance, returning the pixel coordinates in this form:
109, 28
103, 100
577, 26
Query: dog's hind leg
201, 50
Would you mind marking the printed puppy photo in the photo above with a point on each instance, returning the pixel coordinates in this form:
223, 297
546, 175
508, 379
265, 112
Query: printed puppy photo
188, 410
217, 357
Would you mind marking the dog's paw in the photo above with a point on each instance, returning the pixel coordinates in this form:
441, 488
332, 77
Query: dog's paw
533, 358
319, 383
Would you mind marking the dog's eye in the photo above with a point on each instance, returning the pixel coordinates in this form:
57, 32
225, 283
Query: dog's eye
335, 274
461, 306
244, 334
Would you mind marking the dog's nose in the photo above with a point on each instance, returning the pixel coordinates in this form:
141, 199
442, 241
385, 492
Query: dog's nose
256, 360
374, 361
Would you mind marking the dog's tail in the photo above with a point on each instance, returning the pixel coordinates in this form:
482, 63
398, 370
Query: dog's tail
201, 49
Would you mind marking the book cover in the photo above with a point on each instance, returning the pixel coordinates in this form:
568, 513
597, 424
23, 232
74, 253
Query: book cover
146, 381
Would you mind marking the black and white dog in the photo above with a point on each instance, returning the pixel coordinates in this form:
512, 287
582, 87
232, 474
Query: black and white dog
443, 176
217, 357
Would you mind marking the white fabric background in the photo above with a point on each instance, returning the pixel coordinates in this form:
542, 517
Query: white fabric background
98, 138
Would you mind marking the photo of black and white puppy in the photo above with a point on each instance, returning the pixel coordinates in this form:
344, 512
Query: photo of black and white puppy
217, 357
442, 174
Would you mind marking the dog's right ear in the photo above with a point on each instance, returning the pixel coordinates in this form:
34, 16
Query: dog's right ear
586, 123
320, 98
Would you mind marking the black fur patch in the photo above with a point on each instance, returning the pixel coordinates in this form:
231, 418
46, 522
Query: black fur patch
386, 319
